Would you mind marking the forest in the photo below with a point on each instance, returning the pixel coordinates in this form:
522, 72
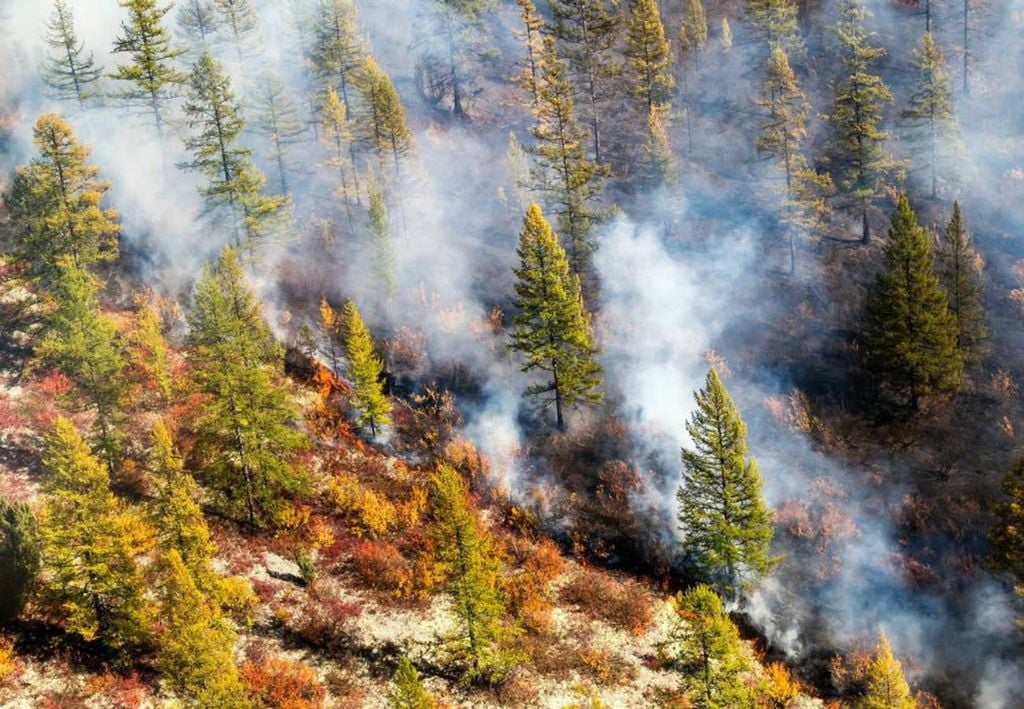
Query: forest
512, 353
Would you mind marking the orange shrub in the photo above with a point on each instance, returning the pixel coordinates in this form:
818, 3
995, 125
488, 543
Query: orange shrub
777, 689
621, 605
280, 683
381, 566
370, 514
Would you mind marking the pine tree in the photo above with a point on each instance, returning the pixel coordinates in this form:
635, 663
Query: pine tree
69, 72
198, 22
887, 689
364, 369
552, 329
775, 23
710, 652
648, 57
240, 17
388, 132
278, 121
932, 124
83, 343
380, 237
911, 335
337, 138
1007, 535
961, 276
233, 191
587, 31
856, 149
55, 205
529, 76
407, 691
150, 76
89, 544
465, 553
195, 655
19, 558
246, 446
569, 181
722, 516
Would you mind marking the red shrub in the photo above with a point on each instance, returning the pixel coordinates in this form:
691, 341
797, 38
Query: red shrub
621, 605
280, 683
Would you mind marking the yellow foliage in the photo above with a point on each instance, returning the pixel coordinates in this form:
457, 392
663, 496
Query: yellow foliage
778, 689
236, 597
411, 510
318, 535
8, 662
291, 515
369, 513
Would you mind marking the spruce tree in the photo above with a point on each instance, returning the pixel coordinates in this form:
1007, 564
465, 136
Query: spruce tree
364, 370
961, 276
552, 329
278, 122
725, 524
775, 23
56, 208
198, 22
19, 558
932, 126
388, 133
911, 334
569, 182
150, 76
886, 687
1007, 535
407, 691
69, 72
89, 543
709, 651
246, 445
648, 57
530, 35
856, 150
233, 193
380, 238
336, 137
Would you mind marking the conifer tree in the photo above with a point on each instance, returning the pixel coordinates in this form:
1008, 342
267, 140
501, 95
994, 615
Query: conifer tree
149, 352
552, 329
648, 57
694, 32
458, 24
856, 151
911, 334
775, 23
569, 181
1007, 535
240, 19
587, 31
962, 279
233, 191
530, 34
465, 553
195, 655
364, 369
198, 22
278, 121
337, 139
338, 50
55, 205
693, 35
886, 687
656, 164
722, 515
710, 652
245, 448
380, 237
389, 134
19, 558
69, 72
929, 113
89, 544
150, 77
407, 691
517, 176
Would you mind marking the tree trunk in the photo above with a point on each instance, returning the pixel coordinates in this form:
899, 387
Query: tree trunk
865, 237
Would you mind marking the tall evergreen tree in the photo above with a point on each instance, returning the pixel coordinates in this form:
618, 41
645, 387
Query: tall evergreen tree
55, 205
856, 151
380, 238
90, 543
364, 369
533, 43
69, 72
722, 515
19, 558
407, 691
552, 329
961, 276
198, 22
233, 193
648, 57
775, 23
388, 132
911, 335
929, 113
278, 121
569, 181
246, 446
887, 689
336, 137
1007, 535
150, 77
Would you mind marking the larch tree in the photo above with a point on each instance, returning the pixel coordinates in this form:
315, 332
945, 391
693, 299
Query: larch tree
387, 131
725, 524
380, 239
960, 272
709, 651
198, 22
856, 151
1007, 534
364, 369
569, 182
648, 57
246, 445
587, 31
775, 23
55, 204
533, 44
70, 72
552, 328
336, 138
149, 353
150, 76
240, 18
233, 193
407, 691
19, 558
458, 28
911, 333
278, 121
693, 36
886, 686
931, 123
338, 49
90, 543
516, 190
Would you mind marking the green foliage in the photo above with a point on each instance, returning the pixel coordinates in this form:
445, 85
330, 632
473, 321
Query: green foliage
70, 73
278, 121
407, 691
911, 334
364, 368
886, 687
55, 207
775, 23
240, 17
1007, 534
336, 136
552, 329
933, 128
388, 132
198, 21
19, 558
380, 237
338, 50
530, 35
246, 445
648, 57
693, 34
722, 516
709, 652
150, 354
656, 166
960, 271
90, 543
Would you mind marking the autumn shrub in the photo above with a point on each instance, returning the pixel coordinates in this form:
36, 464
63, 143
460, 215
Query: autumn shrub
607, 667
620, 605
777, 688
382, 566
279, 683
528, 593
119, 691
325, 622
368, 513
10, 666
